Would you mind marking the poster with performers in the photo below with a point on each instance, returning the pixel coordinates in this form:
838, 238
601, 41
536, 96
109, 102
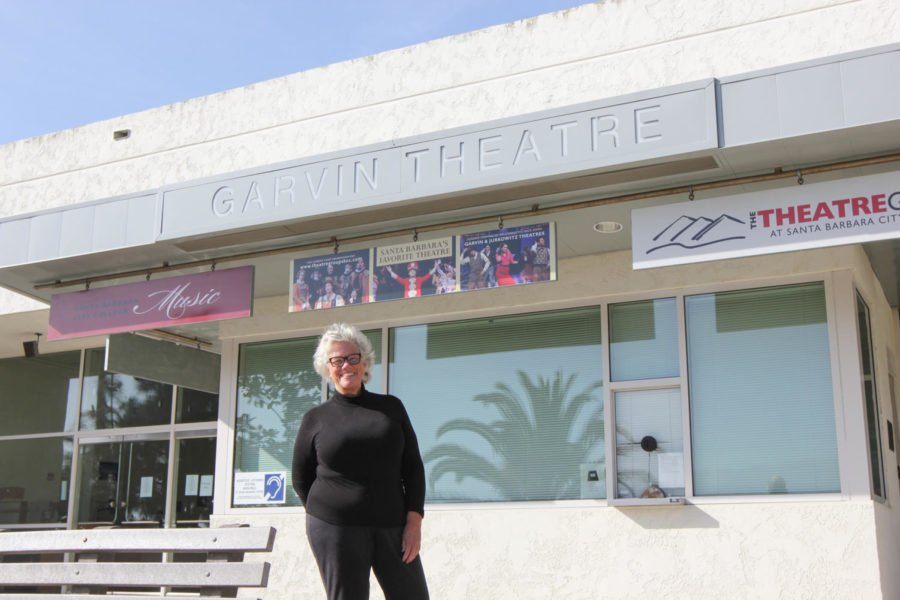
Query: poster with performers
331, 280
414, 269
509, 256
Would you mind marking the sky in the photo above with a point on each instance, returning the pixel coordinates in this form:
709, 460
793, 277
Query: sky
67, 63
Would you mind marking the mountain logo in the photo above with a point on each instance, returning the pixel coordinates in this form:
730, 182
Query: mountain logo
696, 232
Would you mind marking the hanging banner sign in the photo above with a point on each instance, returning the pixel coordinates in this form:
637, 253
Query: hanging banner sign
210, 296
510, 256
419, 268
331, 280
833, 213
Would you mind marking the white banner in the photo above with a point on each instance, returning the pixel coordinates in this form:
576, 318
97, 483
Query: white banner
833, 213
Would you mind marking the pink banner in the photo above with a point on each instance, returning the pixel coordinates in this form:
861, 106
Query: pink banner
210, 296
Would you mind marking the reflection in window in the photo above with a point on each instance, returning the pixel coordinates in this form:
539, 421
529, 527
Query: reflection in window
762, 407
506, 408
277, 384
123, 483
39, 394
194, 474
34, 480
643, 340
111, 400
194, 406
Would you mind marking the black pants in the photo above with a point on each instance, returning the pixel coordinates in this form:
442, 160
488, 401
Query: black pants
346, 554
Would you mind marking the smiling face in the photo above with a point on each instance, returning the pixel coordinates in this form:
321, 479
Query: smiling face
347, 378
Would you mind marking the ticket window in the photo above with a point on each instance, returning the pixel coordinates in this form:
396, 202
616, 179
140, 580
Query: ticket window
649, 443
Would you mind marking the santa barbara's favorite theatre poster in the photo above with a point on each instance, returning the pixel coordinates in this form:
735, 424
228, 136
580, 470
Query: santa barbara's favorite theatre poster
415, 269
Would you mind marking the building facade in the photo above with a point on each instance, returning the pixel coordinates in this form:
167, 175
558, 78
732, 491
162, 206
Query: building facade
696, 397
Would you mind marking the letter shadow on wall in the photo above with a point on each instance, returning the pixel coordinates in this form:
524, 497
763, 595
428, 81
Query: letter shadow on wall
669, 517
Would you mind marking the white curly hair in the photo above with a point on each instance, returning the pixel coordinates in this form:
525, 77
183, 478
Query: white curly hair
342, 332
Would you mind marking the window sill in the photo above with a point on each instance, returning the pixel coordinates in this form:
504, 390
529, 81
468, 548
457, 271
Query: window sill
673, 501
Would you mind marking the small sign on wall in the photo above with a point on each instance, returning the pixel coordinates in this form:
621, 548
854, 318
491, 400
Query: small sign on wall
259, 488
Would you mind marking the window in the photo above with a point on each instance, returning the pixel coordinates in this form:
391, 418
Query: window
35, 480
643, 345
111, 400
649, 443
511, 407
123, 483
762, 407
643, 340
38, 408
193, 499
39, 394
130, 430
867, 359
277, 384
505, 408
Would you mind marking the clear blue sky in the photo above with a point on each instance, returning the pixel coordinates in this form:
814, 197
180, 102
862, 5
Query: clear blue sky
66, 63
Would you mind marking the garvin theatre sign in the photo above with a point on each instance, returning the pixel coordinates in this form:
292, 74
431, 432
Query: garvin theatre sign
833, 213
559, 143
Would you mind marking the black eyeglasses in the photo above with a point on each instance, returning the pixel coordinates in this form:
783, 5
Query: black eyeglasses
338, 361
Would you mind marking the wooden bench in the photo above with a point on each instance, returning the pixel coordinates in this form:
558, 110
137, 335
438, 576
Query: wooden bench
90, 563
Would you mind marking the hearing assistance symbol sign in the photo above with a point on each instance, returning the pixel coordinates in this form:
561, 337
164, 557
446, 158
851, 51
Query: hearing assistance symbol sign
259, 488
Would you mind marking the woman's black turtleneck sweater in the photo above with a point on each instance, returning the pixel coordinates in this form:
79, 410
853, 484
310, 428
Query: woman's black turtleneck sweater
357, 461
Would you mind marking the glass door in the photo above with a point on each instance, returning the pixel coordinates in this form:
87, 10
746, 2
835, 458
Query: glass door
123, 483
194, 467
145, 451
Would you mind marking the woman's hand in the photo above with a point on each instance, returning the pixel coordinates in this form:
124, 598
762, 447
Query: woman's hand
412, 536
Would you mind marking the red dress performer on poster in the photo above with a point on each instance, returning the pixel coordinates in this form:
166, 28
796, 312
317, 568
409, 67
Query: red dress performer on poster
412, 284
505, 258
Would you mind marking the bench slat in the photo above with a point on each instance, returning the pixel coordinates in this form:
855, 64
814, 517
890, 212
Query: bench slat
223, 574
169, 596
223, 539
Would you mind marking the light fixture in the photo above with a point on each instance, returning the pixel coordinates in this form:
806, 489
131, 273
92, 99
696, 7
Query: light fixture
608, 227
31, 347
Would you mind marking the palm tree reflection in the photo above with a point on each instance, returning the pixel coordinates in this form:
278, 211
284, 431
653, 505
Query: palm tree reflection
543, 436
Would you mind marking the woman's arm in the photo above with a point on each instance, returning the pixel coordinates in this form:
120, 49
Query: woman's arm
303, 467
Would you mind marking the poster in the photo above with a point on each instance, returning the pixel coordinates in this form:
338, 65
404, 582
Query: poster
330, 281
206, 485
509, 256
502, 257
415, 269
191, 483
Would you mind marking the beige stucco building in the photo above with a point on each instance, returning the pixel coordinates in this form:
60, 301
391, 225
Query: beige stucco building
766, 374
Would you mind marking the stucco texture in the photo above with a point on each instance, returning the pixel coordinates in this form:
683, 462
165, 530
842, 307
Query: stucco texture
772, 550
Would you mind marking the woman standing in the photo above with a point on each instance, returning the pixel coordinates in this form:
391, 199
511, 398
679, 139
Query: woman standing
505, 258
358, 471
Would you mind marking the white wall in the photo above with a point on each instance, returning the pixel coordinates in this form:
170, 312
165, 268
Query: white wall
709, 552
